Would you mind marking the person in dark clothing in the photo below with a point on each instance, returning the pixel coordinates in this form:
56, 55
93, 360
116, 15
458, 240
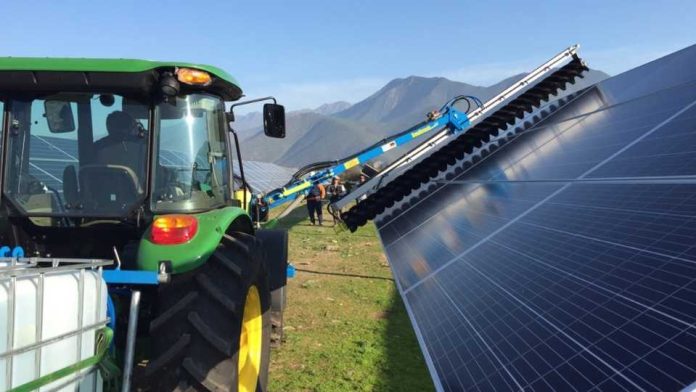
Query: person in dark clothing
335, 191
314, 197
124, 145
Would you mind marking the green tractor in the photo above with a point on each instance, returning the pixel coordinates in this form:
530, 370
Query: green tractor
132, 161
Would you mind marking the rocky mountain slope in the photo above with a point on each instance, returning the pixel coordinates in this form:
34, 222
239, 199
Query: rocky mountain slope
335, 130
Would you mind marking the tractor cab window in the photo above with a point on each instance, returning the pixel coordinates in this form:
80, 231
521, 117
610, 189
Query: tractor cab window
79, 155
191, 168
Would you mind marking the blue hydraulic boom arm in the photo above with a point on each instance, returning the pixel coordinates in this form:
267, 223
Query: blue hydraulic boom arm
447, 117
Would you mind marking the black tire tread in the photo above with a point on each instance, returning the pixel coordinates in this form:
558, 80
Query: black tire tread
229, 264
237, 242
216, 341
163, 318
197, 321
199, 375
175, 351
215, 293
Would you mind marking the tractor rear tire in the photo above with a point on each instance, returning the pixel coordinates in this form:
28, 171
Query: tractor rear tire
200, 319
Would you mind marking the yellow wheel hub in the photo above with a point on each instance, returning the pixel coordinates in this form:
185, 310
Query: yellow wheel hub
250, 342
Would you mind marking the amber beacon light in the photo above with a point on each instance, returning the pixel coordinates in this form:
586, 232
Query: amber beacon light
193, 77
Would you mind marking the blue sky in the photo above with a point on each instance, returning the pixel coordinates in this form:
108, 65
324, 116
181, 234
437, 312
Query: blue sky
308, 53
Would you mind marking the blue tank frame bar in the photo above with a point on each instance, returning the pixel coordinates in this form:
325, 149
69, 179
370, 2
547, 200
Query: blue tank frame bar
130, 277
449, 117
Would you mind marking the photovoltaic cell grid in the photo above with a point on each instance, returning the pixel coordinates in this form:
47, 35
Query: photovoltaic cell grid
264, 176
51, 154
49, 157
566, 260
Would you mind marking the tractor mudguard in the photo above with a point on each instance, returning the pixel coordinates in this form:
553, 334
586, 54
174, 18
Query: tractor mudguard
275, 244
212, 225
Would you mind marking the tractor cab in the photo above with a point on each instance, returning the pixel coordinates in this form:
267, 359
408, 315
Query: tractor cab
98, 143
85, 155
134, 162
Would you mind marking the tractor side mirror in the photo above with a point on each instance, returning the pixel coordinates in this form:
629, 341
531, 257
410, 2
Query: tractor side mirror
274, 120
59, 115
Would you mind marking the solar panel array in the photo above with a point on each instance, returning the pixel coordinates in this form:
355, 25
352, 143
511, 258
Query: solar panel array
264, 176
566, 259
50, 155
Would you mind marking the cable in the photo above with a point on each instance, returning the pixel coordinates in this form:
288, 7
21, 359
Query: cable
469, 99
312, 167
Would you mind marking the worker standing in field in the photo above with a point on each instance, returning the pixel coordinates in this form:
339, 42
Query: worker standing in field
335, 191
316, 194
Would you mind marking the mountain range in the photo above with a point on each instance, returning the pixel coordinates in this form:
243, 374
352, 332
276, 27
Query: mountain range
336, 130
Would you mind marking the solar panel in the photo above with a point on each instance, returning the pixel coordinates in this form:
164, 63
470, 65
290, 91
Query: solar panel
51, 154
264, 176
49, 157
566, 258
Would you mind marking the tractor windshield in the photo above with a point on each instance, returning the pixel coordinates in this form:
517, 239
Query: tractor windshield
76, 154
190, 168
86, 155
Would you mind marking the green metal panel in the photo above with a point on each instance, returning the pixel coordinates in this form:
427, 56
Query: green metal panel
188, 256
101, 65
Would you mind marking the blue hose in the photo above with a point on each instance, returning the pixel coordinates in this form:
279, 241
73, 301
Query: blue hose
17, 252
111, 313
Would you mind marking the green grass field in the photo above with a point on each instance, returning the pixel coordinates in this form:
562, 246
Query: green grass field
346, 327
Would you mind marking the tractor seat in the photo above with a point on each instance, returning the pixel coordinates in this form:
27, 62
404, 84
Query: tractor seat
108, 188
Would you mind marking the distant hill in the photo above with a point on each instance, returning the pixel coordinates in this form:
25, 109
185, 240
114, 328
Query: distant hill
331, 108
402, 101
249, 125
261, 148
333, 131
330, 138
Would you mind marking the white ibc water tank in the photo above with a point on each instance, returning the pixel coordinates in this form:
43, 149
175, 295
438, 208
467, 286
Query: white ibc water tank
58, 312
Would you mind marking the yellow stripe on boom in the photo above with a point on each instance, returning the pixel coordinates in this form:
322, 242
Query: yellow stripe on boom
422, 130
297, 188
352, 163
